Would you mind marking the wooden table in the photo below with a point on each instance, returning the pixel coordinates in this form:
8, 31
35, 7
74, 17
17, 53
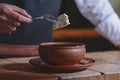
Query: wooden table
107, 67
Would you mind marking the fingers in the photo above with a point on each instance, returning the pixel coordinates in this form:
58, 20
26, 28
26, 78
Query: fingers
8, 25
15, 13
20, 15
20, 18
21, 11
11, 17
7, 28
4, 31
8, 21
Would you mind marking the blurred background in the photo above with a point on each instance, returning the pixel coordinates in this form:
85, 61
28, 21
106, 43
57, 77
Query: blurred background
81, 30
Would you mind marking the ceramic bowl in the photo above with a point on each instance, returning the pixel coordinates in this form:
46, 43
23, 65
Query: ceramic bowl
61, 53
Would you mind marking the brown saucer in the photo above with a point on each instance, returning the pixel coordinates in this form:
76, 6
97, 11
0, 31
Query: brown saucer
82, 65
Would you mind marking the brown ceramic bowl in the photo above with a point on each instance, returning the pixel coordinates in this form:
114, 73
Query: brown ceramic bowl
62, 53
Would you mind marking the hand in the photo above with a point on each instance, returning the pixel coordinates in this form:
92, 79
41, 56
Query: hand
11, 17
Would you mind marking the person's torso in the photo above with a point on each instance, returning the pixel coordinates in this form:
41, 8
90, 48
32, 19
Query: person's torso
38, 31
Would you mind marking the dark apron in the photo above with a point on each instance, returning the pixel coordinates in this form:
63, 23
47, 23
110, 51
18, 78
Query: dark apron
40, 30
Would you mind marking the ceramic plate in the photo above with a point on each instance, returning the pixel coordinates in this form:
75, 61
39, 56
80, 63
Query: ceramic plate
82, 65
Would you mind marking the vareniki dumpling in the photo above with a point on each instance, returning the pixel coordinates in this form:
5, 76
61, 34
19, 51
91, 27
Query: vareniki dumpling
62, 21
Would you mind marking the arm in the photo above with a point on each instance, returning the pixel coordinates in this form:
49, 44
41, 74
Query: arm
11, 17
102, 15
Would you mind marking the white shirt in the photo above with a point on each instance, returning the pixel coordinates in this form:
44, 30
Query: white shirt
103, 16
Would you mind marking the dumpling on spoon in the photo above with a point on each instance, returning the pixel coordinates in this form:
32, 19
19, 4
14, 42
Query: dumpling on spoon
62, 21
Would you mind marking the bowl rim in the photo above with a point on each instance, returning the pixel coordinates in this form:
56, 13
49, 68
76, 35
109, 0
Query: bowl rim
66, 45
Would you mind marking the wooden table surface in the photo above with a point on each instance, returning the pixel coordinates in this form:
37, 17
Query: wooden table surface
107, 67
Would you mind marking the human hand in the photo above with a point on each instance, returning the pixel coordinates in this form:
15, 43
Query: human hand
11, 17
